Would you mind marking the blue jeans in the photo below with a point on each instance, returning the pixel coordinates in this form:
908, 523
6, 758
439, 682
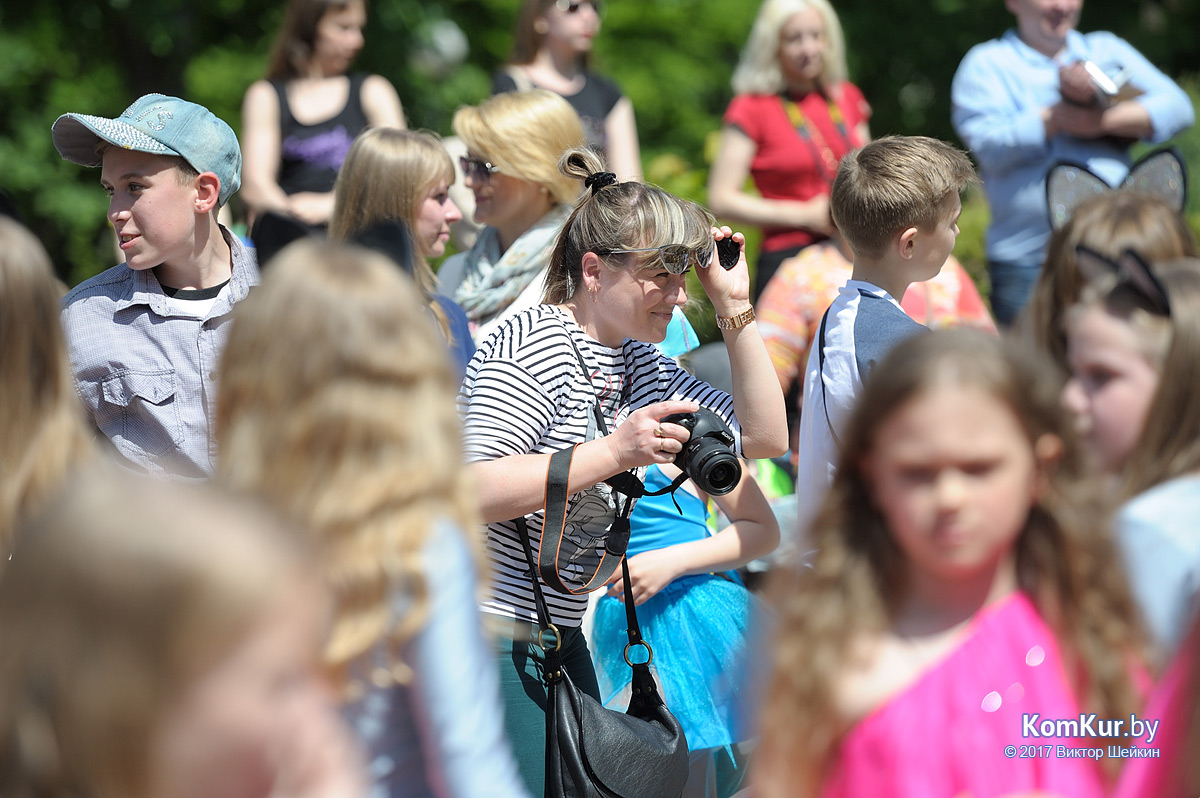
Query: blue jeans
1011, 285
524, 695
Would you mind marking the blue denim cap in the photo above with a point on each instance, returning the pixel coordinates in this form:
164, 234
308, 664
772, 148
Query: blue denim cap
160, 125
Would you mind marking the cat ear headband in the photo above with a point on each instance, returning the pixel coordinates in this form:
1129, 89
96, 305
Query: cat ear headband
1131, 270
1161, 173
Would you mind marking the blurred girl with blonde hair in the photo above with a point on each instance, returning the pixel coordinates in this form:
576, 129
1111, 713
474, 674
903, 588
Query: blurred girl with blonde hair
963, 581
43, 434
161, 641
337, 409
1132, 343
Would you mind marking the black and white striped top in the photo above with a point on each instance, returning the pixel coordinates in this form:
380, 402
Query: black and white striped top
524, 393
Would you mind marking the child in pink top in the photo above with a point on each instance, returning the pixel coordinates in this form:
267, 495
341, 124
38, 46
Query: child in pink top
961, 586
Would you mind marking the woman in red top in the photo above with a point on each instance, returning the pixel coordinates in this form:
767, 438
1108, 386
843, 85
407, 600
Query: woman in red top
793, 117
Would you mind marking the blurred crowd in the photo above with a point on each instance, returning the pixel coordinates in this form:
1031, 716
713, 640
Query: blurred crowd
348, 503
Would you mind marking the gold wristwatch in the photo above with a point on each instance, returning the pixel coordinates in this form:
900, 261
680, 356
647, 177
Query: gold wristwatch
736, 322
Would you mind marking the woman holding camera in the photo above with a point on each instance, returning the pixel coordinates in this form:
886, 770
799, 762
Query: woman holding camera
616, 274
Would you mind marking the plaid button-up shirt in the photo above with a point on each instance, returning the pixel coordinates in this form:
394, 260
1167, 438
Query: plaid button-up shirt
146, 369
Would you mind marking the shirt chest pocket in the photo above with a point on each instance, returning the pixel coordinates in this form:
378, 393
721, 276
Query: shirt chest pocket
139, 412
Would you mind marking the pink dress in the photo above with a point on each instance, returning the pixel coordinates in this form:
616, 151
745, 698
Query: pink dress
946, 735
1170, 703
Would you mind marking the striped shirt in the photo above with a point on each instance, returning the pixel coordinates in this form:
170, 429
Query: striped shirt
524, 393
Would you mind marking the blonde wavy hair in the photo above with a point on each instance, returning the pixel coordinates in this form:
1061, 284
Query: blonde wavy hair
337, 408
1108, 225
630, 215
1065, 562
108, 617
524, 133
758, 70
42, 429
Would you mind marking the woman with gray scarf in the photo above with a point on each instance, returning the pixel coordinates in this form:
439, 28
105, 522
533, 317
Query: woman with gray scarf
513, 144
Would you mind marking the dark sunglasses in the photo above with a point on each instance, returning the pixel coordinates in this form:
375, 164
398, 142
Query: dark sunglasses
477, 170
571, 7
675, 257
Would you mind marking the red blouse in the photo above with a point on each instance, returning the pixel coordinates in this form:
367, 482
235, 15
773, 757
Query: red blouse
790, 165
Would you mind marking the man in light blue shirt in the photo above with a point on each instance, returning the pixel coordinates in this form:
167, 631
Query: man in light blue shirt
1023, 102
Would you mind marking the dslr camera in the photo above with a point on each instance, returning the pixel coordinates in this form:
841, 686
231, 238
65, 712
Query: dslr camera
707, 457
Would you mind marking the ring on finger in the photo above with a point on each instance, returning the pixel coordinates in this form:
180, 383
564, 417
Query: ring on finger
659, 432
662, 445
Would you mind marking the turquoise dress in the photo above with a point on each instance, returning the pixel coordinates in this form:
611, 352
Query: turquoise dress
697, 626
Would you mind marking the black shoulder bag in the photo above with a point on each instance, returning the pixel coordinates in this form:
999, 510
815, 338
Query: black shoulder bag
593, 751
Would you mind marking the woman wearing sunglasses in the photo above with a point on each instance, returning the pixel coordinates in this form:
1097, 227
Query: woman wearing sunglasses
553, 41
513, 145
548, 375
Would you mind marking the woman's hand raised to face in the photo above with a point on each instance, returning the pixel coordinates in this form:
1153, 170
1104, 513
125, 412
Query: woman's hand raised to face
729, 291
644, 439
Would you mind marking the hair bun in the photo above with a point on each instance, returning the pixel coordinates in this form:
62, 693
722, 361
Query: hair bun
598, 180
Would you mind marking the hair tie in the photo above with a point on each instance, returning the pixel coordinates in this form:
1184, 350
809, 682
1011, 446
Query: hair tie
598, 180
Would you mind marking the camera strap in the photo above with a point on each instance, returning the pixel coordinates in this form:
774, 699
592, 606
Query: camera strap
624, 482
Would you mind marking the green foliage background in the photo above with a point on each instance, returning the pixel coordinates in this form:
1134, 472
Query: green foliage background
673, 58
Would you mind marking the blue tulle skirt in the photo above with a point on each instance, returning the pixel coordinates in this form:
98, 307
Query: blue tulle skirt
698, 627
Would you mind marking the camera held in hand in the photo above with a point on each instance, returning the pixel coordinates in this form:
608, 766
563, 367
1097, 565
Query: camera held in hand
707, 457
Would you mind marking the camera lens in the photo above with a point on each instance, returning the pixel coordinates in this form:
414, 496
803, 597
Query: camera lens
714, 468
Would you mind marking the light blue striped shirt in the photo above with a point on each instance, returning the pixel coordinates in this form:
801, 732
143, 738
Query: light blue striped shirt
146, 365
997, 96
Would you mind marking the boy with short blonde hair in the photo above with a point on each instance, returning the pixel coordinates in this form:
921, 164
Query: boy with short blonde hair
896, 202
144, 337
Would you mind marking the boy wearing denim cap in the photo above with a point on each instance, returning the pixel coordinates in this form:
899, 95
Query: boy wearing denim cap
144, 337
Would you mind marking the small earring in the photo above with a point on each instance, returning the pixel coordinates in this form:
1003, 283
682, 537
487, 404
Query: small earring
541, 26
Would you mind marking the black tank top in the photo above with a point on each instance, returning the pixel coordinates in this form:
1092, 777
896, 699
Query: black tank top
310, 155
594, 102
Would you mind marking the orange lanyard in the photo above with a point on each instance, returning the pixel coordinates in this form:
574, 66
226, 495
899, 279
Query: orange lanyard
811, 134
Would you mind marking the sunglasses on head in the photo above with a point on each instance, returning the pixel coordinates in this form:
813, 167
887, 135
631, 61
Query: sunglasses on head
571, 6
476, 169
675, 257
